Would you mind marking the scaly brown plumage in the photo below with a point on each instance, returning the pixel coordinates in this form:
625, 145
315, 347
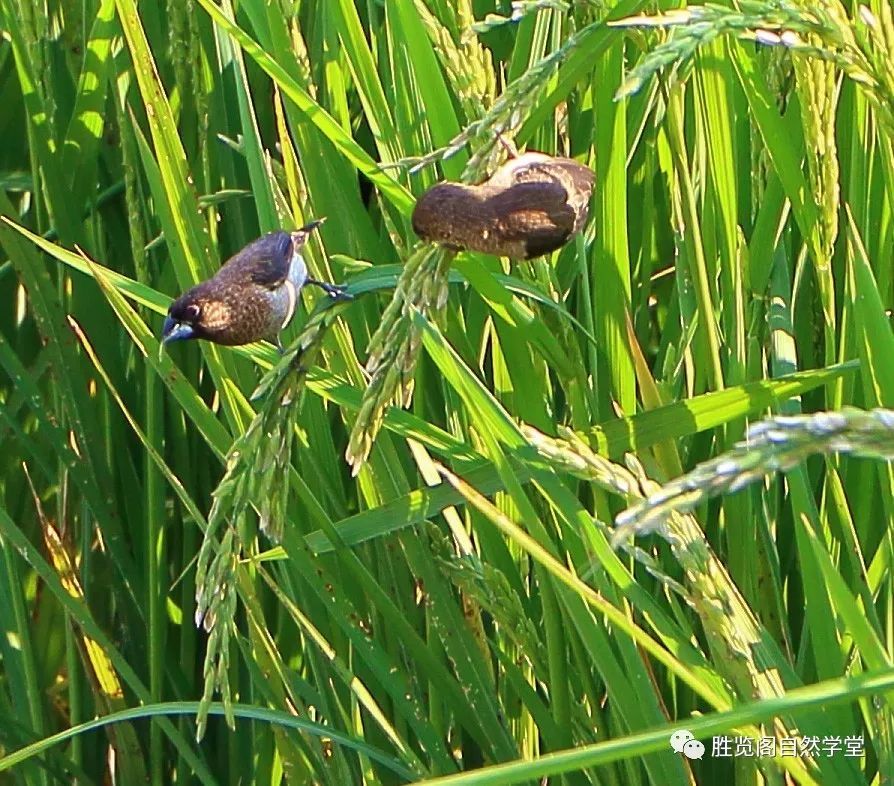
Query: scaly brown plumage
530, 206
252, 297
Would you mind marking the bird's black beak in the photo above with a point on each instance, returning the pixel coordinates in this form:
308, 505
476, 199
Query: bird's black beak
175, 331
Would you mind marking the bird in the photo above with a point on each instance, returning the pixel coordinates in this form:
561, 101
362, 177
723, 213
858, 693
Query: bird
530, 206
252, 297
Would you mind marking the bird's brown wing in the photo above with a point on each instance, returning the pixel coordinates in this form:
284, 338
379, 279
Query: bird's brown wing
264, 262
575, 178
533, 217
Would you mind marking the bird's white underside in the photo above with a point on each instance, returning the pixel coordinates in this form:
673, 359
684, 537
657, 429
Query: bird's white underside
293, 284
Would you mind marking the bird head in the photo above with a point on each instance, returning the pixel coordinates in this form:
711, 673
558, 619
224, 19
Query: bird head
184, 319
208, 311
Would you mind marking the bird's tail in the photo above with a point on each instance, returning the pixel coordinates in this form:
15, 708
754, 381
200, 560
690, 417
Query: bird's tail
299, 236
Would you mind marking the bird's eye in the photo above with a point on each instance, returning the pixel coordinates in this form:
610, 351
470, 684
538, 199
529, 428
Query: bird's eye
191, 312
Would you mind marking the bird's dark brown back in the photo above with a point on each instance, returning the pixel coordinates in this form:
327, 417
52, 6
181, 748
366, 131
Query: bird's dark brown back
264, 261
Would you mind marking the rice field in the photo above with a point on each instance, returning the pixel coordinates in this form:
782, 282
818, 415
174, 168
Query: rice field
616, 515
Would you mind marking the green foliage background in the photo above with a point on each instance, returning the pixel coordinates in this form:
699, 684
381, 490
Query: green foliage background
457, 612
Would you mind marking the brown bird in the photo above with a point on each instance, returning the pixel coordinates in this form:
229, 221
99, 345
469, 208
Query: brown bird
252, 297
530, 206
